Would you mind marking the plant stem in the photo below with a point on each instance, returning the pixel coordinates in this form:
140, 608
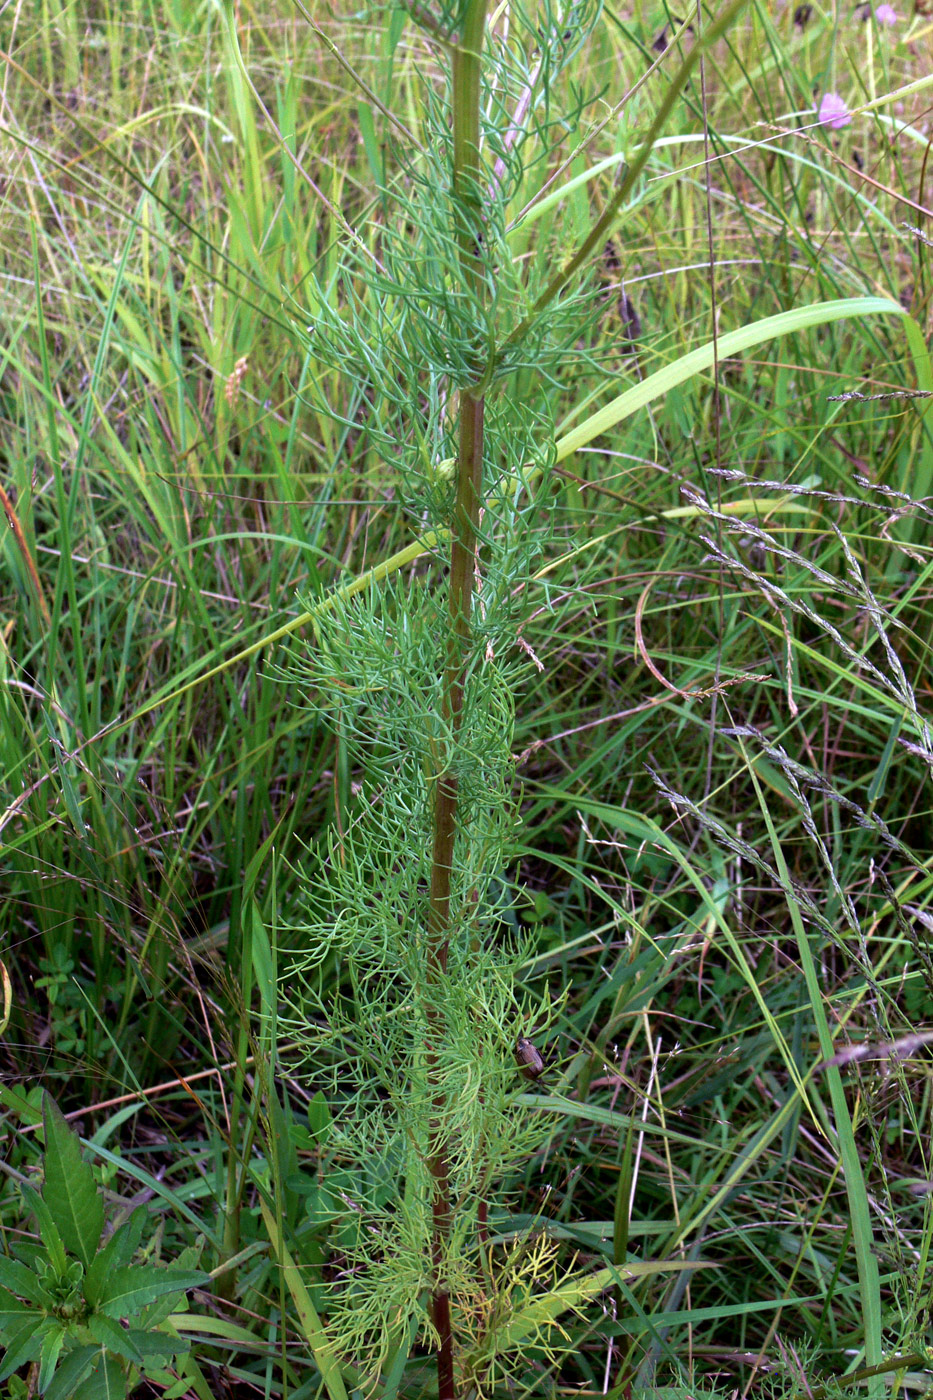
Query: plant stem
892, 1363
467, 212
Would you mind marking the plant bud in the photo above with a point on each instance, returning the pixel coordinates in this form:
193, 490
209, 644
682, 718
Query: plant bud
530, 1060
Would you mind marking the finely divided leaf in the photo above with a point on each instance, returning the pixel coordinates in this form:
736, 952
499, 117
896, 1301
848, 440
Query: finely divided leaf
69, 1190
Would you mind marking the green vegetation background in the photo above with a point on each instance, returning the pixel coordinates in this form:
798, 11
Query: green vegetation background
724, 758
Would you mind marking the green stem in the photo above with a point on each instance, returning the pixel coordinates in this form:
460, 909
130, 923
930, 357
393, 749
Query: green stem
468, 213
892, 1363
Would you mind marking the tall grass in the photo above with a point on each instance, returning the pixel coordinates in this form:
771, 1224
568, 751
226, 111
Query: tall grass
724, 759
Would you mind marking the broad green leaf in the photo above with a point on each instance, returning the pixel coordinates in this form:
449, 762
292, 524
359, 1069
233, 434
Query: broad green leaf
71, 1372
69, 1189
127, 1291
49, 1231
11, 1312
117, 1253
157, 1346
23, 1281
106, 1383
24, 1345
155, 1314
13, 1097
52, 1344
320, 1120
114, 1337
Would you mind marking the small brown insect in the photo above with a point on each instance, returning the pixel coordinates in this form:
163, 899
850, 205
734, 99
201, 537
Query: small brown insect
662, 39
529, 1057
631, 321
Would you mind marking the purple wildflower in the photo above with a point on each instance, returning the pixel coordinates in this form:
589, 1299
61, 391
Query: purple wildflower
886, 14
833, 111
